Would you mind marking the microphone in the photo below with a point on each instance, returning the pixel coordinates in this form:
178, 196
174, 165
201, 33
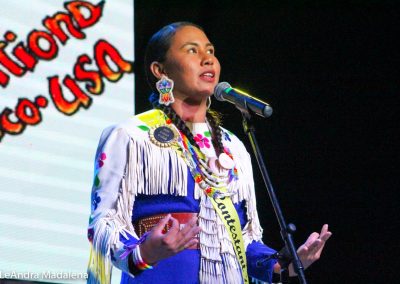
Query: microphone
224, 92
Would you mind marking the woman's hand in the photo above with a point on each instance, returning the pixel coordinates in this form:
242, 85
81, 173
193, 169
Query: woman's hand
310, 251
159, 245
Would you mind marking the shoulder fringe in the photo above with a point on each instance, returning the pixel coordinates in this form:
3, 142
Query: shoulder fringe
156, 170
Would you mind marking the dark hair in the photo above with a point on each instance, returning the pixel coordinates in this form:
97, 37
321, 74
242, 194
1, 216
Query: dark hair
156, 50
158, 46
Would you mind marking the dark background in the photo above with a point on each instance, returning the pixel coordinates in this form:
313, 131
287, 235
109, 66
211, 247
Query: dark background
330, 71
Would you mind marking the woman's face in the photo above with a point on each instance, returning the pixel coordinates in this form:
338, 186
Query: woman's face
191, 64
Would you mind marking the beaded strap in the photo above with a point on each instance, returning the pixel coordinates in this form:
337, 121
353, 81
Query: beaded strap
138, 261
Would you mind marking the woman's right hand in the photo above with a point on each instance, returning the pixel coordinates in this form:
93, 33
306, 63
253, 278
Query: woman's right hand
159, 245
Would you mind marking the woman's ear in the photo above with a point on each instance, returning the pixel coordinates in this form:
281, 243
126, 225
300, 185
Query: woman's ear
157, 69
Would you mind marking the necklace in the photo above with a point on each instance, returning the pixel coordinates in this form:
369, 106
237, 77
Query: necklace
210, 180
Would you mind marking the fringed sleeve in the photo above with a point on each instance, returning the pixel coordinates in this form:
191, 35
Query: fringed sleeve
244, 187
252, 231
112, 201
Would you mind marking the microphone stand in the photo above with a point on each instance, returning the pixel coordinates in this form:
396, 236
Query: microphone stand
286, 229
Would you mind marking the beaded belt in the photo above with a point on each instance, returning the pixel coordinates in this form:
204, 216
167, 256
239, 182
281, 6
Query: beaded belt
146, 224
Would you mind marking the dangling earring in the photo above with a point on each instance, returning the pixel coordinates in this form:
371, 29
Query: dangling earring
165, 87
208, 102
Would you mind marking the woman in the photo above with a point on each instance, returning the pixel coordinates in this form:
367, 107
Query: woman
173, 197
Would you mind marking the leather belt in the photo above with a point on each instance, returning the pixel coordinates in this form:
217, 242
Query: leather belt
146, 224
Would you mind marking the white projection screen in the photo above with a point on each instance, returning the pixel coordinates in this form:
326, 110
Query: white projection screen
66, 73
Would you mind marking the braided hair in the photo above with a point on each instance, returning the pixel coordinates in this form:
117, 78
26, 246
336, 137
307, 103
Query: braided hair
213, 118
156, 50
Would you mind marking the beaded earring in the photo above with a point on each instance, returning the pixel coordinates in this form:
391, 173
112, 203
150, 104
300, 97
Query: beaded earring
165, 87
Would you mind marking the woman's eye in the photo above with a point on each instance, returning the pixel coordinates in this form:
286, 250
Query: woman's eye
192, 50
210, 51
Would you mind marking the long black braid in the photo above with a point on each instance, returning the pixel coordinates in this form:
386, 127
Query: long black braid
213, 118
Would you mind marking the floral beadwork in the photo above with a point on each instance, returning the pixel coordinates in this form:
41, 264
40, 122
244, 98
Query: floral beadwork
212, 192
90, 234
226, 136
102, 157
100, 164
95, 201
202, 141
233, 174
208, 183
96, 181
144, 127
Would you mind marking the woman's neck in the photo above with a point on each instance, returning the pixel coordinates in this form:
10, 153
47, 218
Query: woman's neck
189, 110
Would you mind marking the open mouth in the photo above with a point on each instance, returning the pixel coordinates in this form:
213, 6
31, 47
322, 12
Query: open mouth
208, 74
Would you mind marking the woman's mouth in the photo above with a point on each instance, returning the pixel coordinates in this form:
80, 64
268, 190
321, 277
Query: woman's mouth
208, 76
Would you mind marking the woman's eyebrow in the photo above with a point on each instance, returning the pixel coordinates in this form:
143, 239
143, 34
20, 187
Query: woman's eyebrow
196, 44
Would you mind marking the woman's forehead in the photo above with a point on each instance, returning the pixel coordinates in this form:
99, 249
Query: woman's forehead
189, 34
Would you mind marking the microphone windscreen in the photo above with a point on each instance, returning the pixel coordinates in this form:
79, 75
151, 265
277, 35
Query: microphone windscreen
219, 90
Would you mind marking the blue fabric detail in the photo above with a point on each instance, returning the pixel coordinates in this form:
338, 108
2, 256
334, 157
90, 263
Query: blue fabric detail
131, 239
255, 252
148, 205
226, 136
183, 267
95, 200
242, 212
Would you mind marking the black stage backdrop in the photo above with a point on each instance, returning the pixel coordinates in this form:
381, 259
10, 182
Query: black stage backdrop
328, 70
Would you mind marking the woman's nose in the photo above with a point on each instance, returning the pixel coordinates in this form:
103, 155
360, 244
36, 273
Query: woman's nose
207, 59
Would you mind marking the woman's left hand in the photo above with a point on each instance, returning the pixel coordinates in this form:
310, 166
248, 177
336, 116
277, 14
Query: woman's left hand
311, 250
